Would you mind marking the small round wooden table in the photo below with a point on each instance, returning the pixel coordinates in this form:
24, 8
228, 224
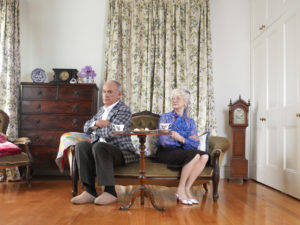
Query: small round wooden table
142, 190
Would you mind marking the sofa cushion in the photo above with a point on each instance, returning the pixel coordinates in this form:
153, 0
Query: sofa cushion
153, 169
15, 159
8, 148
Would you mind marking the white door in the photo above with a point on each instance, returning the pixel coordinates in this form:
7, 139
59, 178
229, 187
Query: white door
273, 160
258, 108
291, 102
275, 73
267, 77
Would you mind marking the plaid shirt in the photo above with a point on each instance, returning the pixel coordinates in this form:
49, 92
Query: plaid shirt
119, 114
183, 125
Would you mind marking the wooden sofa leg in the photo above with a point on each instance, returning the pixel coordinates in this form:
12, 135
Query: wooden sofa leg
216, 176
28, 175
215, 188
205, 187
74, 177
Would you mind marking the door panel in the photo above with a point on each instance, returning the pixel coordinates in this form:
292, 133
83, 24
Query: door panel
290, 152
272, 148
274, 8
258, 110
291, 99
273, 165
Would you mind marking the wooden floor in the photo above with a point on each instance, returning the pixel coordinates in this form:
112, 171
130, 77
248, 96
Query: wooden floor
47, 202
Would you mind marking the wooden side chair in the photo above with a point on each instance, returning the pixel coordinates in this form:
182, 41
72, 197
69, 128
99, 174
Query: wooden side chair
24, 159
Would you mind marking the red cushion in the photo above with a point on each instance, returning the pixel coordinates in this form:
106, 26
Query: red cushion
8, 148
3, 138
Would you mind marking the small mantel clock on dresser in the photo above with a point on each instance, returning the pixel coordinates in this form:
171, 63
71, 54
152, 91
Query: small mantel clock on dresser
238, 120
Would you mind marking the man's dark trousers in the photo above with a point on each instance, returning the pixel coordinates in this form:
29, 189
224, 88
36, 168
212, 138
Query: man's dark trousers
98, 159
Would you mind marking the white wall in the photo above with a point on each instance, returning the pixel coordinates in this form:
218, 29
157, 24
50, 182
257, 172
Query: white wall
62, 34
71, 34
230, 24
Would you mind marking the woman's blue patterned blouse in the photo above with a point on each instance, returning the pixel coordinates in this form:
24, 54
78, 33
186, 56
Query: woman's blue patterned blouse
185, 126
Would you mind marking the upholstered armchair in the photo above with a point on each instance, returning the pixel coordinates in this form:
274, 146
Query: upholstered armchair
23, 159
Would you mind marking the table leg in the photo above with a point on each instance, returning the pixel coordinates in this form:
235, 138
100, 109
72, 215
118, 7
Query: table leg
142, 196
135, 193
138, 192
142, 190
150, 195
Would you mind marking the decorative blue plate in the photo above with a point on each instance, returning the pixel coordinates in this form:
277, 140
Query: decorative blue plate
38, 75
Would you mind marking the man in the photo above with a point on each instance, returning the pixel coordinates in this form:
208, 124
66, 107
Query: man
99, 157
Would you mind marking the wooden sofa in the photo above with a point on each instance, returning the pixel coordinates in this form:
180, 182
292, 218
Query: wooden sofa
158, 173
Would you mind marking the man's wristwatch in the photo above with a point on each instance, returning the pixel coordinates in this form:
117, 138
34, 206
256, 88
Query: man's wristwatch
183, 141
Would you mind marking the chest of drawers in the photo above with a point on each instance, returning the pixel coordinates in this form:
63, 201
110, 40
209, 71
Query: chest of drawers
49, 110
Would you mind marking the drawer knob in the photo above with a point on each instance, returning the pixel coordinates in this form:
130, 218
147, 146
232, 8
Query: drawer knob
37, 122
75, 122
40, 92
75, 108
39, 107
36, 154
76, 93
36, 138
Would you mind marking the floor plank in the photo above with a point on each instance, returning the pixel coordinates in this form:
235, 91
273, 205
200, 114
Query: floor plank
47, 202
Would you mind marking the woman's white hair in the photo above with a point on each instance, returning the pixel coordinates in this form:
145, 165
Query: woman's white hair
185, 93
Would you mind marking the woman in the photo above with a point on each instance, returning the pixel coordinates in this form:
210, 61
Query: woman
179, 149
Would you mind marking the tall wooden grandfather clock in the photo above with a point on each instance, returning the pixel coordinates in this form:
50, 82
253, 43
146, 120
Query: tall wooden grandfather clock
238, 120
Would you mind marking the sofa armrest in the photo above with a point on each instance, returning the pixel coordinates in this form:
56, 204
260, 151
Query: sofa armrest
22, 141
218, 144
25, 141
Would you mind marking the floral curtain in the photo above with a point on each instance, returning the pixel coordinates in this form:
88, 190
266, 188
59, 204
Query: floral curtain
9, 61
154, 46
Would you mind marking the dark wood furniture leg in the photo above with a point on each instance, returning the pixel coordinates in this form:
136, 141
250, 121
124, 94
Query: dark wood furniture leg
28, 166
142, 190
74, 173
28, 175
216, 175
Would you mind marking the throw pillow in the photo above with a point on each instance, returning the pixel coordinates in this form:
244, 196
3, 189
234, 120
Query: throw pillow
203, 146
136, 143
8, 148
150, 145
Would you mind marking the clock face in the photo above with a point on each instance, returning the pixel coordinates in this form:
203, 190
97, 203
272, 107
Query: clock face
239, 116
64, 75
